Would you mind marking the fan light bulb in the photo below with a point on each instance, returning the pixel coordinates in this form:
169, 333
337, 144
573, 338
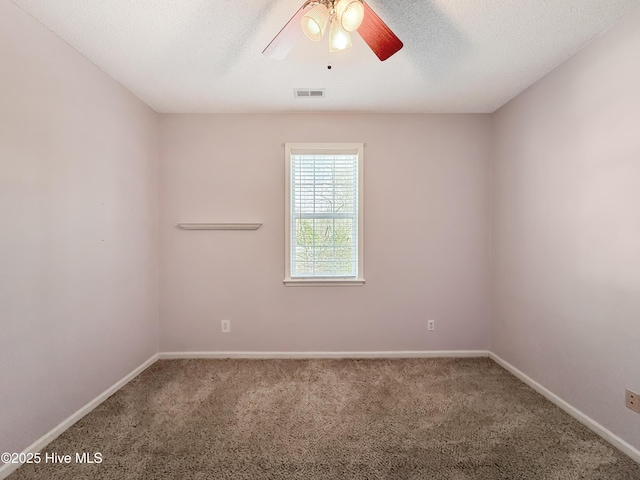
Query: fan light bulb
314, 22
350, 13
339, 39
313, 27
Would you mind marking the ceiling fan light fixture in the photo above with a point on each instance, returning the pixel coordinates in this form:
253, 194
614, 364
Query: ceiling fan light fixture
350, 13
341, 17
314, 22
339, 38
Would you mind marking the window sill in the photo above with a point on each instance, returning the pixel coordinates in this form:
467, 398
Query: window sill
323, 282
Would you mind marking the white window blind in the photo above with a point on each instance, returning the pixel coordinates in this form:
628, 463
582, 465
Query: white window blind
324, 215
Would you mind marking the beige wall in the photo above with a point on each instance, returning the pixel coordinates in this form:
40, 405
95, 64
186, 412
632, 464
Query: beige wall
566, 230
426, 214
78, 248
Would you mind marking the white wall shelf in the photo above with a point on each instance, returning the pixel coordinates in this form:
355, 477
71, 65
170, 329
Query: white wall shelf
219, 226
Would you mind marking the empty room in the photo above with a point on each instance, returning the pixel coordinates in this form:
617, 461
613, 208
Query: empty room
324, 239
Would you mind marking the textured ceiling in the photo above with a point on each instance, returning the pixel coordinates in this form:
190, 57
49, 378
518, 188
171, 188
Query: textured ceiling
205, 55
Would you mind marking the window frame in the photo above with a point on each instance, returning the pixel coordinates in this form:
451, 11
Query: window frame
323, 149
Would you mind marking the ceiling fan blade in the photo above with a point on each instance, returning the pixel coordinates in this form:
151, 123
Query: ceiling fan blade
286, 38
377, 35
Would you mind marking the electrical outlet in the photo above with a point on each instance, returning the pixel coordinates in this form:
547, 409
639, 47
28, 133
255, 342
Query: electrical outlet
632, 401
226, 326
431, 325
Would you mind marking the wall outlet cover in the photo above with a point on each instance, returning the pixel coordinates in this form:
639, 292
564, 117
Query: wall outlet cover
632, 401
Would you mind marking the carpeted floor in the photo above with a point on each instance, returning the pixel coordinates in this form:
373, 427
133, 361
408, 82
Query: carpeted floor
331, 419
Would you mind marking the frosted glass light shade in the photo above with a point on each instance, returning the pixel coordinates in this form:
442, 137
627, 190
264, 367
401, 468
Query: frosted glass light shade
339, 39
350, 13
314, 22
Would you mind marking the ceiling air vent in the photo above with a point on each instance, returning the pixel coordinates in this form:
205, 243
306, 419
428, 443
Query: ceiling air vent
308, 92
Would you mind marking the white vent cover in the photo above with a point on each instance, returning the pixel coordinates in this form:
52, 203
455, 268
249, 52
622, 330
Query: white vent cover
308, 92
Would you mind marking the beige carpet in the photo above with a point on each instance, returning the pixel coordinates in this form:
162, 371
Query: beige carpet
332, 419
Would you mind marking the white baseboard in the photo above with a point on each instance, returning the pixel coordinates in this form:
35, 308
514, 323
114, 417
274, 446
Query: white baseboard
8, 468
587, 421
311, 355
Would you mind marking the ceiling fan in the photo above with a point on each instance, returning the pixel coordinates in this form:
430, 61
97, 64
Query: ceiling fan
341, 17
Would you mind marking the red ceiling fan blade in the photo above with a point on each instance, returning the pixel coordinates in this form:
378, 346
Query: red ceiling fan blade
286, 38
378, 36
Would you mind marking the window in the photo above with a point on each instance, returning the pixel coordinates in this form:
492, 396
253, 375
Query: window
324, 234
